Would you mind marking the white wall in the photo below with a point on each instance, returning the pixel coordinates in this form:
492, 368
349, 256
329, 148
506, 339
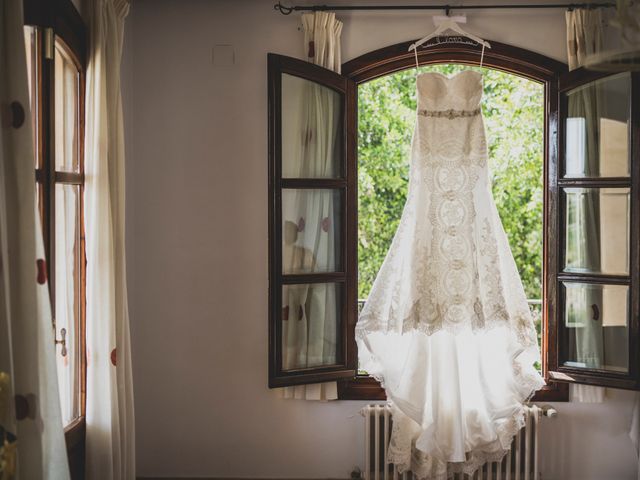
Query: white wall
197, 250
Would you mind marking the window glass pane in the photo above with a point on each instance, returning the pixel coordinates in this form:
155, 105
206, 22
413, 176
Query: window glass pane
597, 230
597, 129
67, 85
311, 230
596, 331
31, 47
311, 315
68, 257
311, 129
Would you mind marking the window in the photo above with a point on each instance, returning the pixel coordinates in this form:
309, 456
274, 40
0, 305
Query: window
598, 224
312, 193
55, 49
577, 262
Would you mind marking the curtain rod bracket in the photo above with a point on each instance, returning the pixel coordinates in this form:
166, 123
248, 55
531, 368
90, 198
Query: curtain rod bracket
283, 9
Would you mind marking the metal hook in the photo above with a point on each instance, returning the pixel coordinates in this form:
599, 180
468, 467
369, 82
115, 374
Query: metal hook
447, 10
63, 342
283, 9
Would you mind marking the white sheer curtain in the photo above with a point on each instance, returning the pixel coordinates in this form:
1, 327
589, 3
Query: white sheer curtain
584, 34
110, 421
66, 299
310, 338
27, 357
584, 37
67, 223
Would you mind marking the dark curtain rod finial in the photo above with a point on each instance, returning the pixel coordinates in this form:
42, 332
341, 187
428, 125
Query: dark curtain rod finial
283, 9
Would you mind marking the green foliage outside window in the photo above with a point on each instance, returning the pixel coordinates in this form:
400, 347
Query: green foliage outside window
513, 109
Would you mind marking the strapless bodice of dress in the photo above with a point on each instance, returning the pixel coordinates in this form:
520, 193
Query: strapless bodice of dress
437, 92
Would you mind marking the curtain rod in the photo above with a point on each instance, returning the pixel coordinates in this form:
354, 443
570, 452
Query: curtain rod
283, 9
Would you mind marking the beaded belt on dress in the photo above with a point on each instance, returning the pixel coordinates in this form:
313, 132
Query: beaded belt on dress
450, 114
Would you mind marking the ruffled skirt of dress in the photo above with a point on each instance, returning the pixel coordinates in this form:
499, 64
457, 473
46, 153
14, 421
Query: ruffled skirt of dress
457, 399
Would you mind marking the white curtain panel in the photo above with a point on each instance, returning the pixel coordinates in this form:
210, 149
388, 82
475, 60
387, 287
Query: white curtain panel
33, 445
110, 421
584, 34
310, 338
584, 37
322, 32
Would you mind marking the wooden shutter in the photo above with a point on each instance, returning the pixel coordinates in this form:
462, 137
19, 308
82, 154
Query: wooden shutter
312, 212
596, 220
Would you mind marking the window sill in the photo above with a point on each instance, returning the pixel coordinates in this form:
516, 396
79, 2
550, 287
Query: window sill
367, 388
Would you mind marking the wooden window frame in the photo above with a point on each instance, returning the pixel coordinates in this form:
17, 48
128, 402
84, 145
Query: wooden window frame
346, 183
631, 379
511, 60
60, 19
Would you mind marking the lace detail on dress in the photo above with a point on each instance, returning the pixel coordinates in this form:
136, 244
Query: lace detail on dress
449, 172
494, 306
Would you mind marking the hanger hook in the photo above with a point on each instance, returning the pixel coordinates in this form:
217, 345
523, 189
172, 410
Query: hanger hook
283, 9
447, 10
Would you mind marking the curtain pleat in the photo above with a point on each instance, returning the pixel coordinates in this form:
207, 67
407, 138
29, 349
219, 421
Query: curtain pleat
110, 422
584, 35
32, 443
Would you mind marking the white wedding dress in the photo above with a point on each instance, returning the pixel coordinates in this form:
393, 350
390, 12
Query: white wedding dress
447, 328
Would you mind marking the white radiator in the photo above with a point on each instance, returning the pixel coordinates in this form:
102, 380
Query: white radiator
521, 463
